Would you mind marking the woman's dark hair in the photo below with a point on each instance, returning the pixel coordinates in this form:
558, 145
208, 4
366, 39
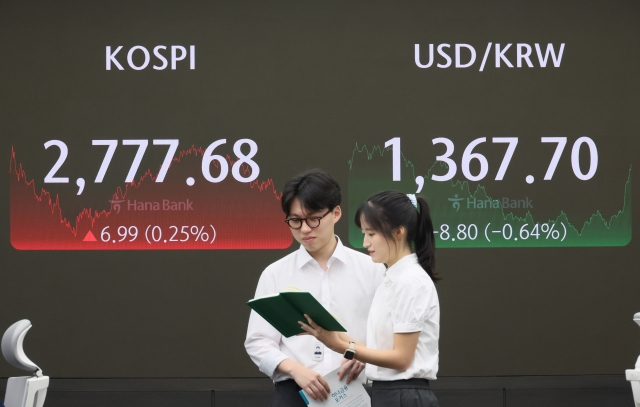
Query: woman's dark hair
315, 189
388, 210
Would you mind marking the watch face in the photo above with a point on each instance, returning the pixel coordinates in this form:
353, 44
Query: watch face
349, 354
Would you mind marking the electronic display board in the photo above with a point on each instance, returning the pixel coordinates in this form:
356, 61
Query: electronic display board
147, 144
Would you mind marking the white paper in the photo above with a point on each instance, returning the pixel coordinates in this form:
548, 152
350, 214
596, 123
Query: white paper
342, 394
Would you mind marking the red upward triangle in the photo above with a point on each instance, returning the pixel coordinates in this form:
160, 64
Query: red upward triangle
89, 237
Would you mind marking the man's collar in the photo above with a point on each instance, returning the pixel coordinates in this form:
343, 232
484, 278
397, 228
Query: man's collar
339, 253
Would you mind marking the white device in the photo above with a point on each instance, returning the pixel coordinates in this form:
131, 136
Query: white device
24, 391
633, 375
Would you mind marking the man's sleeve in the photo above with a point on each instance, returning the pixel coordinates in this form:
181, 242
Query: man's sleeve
378, 274
263, 340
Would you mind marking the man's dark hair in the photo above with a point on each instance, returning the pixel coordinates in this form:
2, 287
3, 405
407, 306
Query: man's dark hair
315, 189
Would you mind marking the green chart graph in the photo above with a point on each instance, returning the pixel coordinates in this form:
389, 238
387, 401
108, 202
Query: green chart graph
472, 219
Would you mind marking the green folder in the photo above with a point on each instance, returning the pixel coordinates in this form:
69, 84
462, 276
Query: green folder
285, 309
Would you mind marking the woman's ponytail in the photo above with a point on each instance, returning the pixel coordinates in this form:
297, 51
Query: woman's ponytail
424, 242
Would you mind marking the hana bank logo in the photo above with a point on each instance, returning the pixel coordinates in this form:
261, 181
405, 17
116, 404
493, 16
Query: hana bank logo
163, 205
115, 204
504, 203
456, 202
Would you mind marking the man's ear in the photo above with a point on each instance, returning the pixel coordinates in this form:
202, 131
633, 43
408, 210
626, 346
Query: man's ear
337, 213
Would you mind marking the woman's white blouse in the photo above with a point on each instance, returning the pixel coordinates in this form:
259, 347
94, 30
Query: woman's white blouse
406, 301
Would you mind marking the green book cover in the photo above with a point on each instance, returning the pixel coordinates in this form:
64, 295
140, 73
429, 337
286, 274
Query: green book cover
285, 309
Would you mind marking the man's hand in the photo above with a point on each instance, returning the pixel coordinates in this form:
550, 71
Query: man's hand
311, 382
351, 367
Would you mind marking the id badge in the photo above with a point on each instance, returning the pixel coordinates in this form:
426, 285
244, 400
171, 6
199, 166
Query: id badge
318, 351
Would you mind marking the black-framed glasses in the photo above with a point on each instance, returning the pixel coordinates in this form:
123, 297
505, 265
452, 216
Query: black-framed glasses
296, 223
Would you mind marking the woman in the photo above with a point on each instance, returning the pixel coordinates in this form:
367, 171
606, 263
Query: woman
404, 321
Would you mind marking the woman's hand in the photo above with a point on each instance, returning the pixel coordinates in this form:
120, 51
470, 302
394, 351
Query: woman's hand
350, 368
330, 339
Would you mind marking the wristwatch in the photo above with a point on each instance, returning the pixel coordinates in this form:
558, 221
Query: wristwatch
351, 351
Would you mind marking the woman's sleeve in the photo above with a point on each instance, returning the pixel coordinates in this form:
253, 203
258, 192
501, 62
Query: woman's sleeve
411, 305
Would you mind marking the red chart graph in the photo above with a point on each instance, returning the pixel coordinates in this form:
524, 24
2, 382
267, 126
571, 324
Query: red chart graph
148, 215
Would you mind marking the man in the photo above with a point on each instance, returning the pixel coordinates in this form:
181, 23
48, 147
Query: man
341, 279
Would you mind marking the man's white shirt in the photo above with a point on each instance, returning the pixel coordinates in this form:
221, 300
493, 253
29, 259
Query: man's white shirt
346, 289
